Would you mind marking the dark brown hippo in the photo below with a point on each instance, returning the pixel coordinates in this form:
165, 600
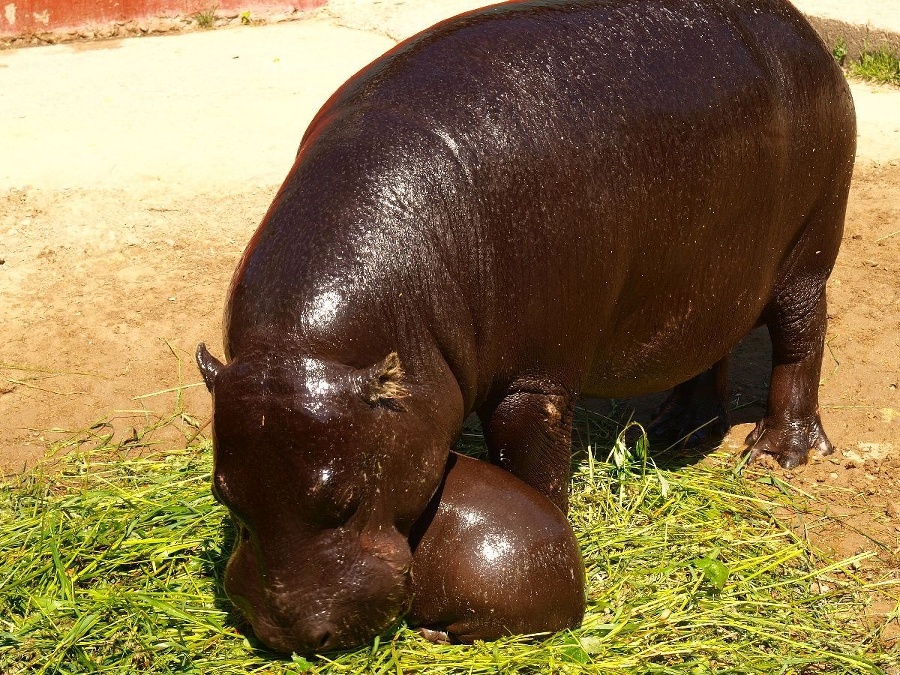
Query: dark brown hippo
492, 557
522, 205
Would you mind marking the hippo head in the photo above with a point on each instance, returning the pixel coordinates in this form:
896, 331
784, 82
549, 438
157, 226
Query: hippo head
313, 459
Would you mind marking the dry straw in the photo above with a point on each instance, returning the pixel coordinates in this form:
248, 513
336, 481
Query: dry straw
113, 563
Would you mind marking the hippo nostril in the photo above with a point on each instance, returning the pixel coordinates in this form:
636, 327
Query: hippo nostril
321, 640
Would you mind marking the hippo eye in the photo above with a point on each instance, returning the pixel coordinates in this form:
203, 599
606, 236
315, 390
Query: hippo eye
241, 531
331, 508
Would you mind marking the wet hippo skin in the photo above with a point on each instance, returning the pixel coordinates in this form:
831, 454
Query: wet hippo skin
493, 557
520, 206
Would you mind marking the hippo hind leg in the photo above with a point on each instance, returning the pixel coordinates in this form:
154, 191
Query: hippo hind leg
791, 428
695, 411
529, 433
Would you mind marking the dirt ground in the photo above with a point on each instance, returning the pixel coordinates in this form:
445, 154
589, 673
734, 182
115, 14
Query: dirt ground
108, 283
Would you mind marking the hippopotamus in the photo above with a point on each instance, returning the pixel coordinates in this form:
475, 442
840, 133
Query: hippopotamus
492, 556
522, 205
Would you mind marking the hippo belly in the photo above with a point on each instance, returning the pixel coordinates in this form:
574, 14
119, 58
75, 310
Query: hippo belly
520, 206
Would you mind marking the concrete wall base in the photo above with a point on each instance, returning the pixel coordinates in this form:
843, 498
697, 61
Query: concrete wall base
24, 22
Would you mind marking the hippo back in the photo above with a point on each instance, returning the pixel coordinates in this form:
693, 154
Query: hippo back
565, 187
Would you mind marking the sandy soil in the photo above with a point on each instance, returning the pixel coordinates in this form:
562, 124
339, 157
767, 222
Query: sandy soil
124, 209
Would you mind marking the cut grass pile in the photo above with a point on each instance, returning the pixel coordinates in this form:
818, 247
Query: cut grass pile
113, 564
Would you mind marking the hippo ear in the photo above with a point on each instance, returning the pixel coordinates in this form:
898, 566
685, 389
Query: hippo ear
208, 364
383, 382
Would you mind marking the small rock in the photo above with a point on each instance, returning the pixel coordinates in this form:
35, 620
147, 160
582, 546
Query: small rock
833, 476
893, 510
857, 237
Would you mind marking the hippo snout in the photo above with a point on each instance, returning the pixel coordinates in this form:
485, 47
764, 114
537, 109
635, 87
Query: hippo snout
323, 605
287, 634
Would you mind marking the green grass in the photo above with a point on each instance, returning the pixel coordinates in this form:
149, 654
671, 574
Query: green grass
113, 563
881, 66
206, 18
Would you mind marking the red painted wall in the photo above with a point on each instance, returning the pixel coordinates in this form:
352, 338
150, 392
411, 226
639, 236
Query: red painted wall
23, 17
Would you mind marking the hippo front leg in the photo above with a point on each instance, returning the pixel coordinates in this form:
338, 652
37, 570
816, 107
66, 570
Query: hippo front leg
529, 433
792, 428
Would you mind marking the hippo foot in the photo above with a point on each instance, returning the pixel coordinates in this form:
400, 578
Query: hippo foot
688, 425
446, 636
438, 637
790, 445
